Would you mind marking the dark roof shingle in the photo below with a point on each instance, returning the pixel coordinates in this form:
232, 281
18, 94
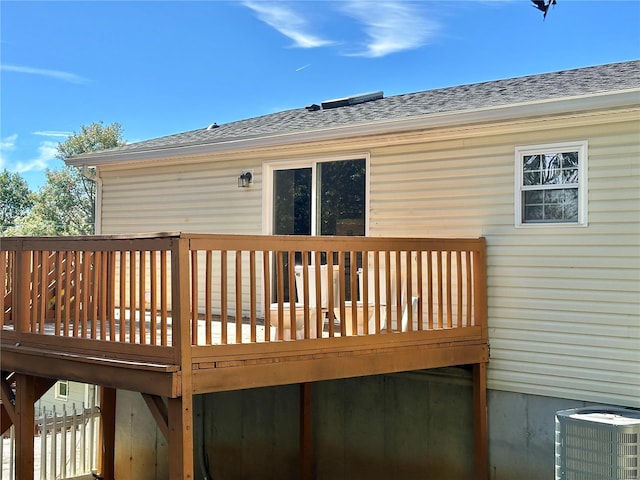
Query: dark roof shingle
561, 84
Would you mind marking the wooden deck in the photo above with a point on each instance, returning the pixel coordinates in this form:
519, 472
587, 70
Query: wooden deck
173, 315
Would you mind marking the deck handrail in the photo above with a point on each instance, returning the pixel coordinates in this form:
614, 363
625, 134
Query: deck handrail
152, 291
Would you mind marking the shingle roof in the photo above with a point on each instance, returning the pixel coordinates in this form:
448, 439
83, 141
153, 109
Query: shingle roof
556, 85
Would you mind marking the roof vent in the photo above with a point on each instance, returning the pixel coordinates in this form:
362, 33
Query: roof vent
353, 100
313, 107
212, 126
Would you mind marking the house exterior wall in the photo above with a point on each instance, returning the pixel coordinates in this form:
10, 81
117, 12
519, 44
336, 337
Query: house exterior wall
79, 394
563, 301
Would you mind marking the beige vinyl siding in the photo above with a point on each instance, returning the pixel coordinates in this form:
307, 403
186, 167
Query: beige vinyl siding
564, 302
190, 197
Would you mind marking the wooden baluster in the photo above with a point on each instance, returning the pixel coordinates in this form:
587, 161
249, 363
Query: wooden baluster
449, 275
208, 277
440, 301
459, 281
110, 308
95, 292
468, 288
280, 293
153, 299
43, 302
252, 294
398, 289
4, 290
293, 323
194, 297
305, 295
353, 287
86, 292
409, 299
420, 292
133, 304
238, 309
318, 305
122, 301
365, 292
266, 283
143, 297
330, 295
77, 275
33, 291
164, 292
223, 296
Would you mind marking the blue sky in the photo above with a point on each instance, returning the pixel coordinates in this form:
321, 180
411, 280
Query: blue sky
164, 67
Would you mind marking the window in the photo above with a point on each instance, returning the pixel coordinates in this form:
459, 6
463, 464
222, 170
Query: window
62, 390
551, 184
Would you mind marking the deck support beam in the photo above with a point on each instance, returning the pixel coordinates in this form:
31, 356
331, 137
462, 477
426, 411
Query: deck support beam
25, 416
108, 437
158, 410
480, 425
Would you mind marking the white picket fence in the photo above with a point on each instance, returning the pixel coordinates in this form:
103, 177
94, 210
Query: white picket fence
65, 444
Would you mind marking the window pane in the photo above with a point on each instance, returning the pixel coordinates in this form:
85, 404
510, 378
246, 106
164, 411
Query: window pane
554, 205
569, 159
571, 205
292, 202
533, 213
551, 170
531, 162
341, 209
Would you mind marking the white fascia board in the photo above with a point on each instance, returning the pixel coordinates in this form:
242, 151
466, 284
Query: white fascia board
500, 113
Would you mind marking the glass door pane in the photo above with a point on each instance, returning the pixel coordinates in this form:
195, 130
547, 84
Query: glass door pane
341, 202
291, 215
292, 202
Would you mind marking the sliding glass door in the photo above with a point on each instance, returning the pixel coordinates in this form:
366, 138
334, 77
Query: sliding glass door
319, 198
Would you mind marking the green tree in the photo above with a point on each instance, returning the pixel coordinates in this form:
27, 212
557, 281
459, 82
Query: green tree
65, 204
15, 199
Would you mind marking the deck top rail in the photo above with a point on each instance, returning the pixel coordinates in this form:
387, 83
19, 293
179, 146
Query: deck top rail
153, 297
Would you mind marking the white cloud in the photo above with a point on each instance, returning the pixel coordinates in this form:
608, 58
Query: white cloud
52, 133
391, 26
8, 143
46, 154
57, 74
285, 20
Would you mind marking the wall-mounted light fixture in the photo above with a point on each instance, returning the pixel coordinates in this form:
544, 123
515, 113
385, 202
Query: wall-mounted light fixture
245, 179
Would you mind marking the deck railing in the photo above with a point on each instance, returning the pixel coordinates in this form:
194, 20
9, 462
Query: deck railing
148, 292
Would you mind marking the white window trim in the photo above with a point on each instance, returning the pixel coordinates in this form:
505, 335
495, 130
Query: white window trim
581, 146
267, 191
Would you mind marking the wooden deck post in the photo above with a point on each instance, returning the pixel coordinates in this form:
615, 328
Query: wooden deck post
108, 438
180, 409
25, 415
481, 449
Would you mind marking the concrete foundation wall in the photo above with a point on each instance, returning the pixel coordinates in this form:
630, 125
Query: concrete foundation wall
405, 426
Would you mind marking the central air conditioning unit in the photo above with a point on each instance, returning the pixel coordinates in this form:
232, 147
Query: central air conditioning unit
598, 443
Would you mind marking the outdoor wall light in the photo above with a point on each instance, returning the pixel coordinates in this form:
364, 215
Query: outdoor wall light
245, 179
